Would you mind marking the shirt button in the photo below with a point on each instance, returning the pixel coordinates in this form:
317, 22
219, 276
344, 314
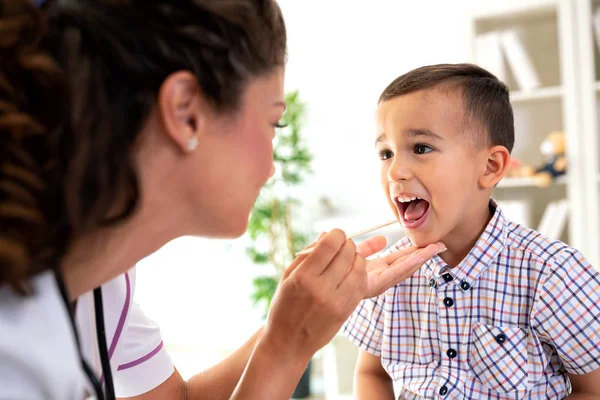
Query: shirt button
432, 283
447, 277
465, 285
451, 353
501, 338
443, 390
448, 302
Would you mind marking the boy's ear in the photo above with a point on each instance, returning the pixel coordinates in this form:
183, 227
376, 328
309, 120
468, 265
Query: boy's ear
498, 160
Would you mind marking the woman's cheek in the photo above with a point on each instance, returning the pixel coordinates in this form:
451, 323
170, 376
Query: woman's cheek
260, 150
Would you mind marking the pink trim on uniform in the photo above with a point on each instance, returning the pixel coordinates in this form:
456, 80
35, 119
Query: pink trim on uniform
121, 323
141, 359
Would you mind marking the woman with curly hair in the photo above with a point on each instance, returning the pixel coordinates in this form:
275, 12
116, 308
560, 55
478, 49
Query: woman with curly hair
125, 124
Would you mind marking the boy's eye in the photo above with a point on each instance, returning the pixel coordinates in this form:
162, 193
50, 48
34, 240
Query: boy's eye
280, 124
385, 154
422, 149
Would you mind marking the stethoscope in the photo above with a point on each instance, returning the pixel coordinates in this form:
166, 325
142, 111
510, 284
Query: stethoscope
101, 335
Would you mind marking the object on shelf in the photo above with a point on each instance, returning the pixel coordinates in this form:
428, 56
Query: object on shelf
596, 24
493, 48
554, 220
488, 54
518, 169
517, 210
519, 61
554, 150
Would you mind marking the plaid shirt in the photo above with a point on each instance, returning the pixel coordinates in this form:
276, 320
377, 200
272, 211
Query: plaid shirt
509, 322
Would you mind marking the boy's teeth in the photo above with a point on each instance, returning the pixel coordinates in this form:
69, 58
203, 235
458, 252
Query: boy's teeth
403, 199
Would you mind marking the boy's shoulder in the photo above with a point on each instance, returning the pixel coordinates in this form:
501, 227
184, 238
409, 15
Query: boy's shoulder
522, 241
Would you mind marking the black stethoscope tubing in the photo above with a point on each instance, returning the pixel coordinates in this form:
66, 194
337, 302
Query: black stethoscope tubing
101, 334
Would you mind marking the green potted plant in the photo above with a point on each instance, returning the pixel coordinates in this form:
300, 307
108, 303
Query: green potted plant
274, 232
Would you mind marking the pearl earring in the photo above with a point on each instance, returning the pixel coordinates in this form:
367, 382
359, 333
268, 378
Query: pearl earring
192, 143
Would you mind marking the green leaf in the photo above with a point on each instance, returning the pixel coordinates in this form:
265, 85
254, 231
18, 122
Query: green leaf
261, 217
257, 257
264, 291
267, 223
299, 242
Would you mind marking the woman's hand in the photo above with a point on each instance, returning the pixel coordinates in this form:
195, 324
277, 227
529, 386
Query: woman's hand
386, 272
316, 295
319, 291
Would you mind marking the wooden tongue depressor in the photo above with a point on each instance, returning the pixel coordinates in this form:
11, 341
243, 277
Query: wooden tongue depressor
360, 233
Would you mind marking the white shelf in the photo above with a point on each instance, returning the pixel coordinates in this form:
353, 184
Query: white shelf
519, 12
559, 37
522, 96
527, 182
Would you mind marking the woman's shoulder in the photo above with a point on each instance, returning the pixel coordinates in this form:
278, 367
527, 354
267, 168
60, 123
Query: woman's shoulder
38, 350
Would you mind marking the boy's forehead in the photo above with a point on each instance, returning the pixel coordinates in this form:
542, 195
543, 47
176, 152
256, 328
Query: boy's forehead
436, 110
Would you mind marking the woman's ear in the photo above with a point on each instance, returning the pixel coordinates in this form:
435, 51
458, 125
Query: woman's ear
498, 160
182, 109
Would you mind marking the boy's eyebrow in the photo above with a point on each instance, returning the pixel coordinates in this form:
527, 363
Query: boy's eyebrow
380, 138
411, 132
423, 132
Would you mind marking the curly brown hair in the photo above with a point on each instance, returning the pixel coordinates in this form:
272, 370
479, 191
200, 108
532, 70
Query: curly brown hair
76, 86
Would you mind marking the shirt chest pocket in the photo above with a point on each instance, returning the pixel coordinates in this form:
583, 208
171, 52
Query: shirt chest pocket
498, 357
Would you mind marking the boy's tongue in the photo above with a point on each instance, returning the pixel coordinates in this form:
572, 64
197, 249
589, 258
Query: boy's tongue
415, 210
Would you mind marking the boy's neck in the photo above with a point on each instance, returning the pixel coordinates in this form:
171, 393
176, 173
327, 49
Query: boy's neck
463, 238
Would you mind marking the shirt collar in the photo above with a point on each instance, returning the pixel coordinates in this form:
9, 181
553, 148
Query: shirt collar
483, 254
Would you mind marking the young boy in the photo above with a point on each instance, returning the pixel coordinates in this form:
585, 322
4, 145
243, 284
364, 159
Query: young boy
504, 313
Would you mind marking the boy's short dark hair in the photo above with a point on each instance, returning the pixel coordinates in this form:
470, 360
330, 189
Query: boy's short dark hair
486, 98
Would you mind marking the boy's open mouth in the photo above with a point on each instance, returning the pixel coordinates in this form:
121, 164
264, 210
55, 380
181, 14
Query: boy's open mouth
412, 209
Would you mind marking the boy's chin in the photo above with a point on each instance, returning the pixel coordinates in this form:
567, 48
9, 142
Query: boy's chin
421, 239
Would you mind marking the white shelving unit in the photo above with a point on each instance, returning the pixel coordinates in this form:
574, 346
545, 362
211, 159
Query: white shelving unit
551, 33
588, 72
524, 96
526, 182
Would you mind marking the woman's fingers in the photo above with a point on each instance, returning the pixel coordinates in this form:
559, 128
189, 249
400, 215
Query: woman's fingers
313, 244
372, 245
399, 271
339, 267
431, 250
356, 280
384, 275
300, 258
323, 253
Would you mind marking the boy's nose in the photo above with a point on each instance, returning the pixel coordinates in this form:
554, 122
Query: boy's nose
399, 172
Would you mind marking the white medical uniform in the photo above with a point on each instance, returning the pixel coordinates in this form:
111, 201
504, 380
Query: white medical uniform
38, 353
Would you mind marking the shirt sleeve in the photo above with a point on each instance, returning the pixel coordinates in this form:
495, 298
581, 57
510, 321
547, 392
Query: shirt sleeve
143, 363
365, 326
567, 312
